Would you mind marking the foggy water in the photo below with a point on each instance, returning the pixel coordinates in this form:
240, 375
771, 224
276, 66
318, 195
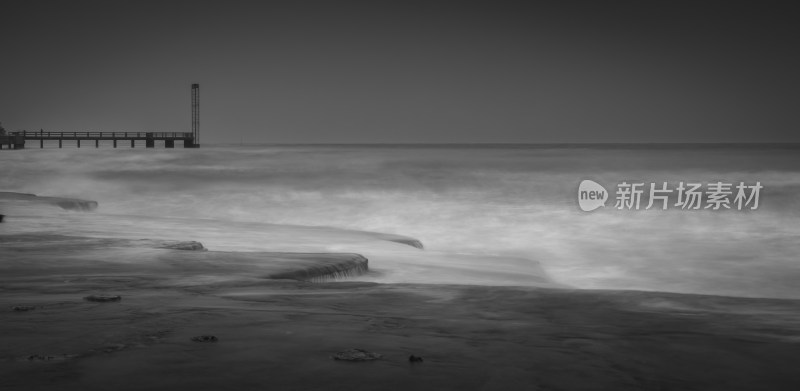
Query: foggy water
467, 204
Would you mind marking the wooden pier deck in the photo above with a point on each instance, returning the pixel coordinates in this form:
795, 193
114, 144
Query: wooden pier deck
16, 140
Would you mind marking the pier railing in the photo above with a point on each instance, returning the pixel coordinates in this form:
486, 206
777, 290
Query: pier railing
104, 135
16, 140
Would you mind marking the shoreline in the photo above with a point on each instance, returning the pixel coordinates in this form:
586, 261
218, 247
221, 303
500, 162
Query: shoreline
272, 332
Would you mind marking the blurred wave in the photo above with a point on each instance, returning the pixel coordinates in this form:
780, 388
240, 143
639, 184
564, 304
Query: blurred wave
492, 201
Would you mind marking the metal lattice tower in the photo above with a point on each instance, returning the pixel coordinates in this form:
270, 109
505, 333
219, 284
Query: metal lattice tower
196, 113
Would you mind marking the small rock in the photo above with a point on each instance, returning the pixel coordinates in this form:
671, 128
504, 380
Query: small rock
114, 348
356, 355
205, 338
412, 358
43, 357
103, 298
22, 308
190, 246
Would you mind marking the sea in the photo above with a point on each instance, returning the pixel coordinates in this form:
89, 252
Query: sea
484, 213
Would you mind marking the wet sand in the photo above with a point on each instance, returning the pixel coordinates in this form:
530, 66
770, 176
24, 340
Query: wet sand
281, 334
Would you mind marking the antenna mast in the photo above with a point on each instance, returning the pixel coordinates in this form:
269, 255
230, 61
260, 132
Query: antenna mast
196, 113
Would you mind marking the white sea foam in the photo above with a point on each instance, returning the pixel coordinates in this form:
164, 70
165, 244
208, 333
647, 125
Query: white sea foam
503, 202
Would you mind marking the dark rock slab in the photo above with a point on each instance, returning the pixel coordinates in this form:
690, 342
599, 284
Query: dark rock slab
190, 246
347, 265
103, 298
205, 338
122, 257
356, 355
406, 240
48, 357
62, 202
409, 242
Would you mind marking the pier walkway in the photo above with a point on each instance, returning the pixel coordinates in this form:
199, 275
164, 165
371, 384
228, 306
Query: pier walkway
16, 140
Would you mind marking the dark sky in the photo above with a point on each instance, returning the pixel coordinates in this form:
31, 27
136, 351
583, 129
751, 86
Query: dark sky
406, 71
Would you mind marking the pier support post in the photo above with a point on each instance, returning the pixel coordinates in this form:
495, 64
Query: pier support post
169, 143
97, 143
79, 143
131, 143
115, 143
59, 142
16, 142
149, 142
41, 143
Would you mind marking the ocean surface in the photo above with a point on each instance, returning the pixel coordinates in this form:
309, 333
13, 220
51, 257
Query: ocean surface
481, 207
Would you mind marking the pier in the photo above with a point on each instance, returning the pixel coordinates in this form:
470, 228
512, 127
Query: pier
17, 140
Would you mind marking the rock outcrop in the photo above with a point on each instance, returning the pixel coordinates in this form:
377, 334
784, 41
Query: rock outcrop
63, 203
189, 246
356, 355
337, 270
